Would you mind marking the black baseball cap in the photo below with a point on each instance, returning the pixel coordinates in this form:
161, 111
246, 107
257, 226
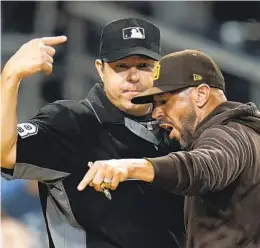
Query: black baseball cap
129, 36
179, 70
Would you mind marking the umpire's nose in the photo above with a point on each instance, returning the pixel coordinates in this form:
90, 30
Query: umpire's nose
133, 75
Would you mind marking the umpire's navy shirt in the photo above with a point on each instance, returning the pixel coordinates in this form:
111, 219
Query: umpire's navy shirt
55, 147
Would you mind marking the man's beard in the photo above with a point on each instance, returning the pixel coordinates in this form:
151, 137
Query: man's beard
185, 139
187, 131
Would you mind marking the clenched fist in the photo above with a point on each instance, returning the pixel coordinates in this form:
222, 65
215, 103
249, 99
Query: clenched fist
34, 56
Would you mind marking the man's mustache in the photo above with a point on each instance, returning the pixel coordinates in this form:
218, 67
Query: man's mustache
164, 122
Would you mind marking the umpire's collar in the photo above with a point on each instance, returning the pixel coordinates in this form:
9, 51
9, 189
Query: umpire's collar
105, 110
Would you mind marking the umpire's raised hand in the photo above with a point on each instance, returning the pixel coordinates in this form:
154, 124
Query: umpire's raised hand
34, 56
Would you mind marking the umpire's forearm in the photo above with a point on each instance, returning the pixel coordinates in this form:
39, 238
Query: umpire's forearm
9, 94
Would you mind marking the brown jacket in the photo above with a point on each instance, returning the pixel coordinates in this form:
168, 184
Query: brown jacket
220, 177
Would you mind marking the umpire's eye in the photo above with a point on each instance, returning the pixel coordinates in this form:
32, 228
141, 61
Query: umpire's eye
122, 66
145, 66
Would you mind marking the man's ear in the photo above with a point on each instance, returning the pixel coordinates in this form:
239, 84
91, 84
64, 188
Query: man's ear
100, 68
202, 95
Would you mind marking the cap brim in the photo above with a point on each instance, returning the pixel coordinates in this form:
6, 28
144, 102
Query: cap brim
119, 54
147, 96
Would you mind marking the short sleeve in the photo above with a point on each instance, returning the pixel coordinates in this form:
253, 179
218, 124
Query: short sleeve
47, 145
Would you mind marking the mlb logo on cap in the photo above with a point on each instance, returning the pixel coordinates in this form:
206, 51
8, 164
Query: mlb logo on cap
133, 33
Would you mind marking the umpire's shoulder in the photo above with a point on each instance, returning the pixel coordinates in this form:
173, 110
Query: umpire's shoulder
70, 106
75, 107
63, 112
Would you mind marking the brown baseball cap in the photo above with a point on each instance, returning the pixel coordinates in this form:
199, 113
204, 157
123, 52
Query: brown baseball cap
179, 70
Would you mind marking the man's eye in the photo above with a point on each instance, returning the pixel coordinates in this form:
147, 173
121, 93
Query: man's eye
159, 103
163, 102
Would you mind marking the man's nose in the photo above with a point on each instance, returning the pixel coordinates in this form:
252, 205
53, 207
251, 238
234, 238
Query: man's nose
133, 75
157, 113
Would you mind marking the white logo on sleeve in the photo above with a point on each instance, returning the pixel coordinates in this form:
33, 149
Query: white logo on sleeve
26, 129
133, 33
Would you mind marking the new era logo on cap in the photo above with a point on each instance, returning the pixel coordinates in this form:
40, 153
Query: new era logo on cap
133, 33
197, 77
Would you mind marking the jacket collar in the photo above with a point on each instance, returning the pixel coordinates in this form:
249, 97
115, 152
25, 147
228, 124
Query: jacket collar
107, 113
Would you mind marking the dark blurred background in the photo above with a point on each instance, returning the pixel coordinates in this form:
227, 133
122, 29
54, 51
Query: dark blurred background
228, 31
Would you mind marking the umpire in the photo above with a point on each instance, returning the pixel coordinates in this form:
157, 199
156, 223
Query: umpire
55, 146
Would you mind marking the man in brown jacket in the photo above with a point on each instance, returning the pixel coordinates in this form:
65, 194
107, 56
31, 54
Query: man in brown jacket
219, 169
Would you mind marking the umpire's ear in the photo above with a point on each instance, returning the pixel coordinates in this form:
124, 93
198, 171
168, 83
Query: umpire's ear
100, 68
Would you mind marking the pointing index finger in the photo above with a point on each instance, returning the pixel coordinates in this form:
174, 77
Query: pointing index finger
55, 40
87, 178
